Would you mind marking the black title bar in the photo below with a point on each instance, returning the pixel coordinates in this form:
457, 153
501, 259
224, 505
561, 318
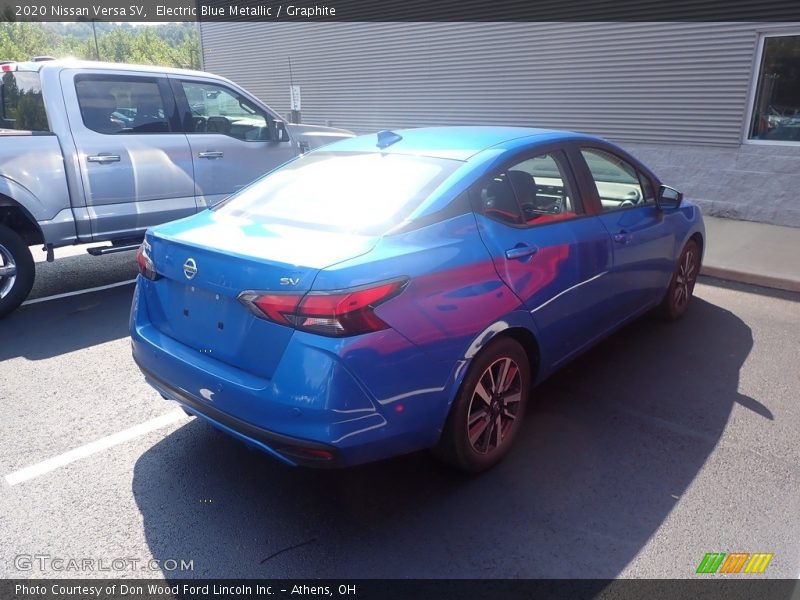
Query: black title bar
710, 588
399, 10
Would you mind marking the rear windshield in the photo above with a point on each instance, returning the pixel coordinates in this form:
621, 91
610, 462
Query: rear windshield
21, 104
364, 193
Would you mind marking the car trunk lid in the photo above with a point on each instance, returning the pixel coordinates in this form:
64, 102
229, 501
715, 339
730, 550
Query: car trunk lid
205, 263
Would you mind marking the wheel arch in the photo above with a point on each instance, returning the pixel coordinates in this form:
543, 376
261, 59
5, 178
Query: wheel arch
526, 339
17, 218
697, 237
515, 326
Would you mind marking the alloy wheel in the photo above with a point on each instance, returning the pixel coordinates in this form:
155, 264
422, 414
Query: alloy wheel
685, 279
494, 405
8, 271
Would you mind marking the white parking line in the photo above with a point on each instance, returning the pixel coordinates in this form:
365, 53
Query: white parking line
78, 292
94, 447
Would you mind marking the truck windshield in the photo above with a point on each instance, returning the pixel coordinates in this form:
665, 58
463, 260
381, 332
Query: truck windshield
364, 193
21, 103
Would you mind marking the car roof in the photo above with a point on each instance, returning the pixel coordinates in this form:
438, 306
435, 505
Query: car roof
74, 63
459, 143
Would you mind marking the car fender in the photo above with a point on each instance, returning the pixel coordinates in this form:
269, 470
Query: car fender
693, 225
518, 319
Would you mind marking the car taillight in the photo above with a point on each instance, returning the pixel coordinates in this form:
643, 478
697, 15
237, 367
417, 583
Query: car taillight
146, 267
335, 313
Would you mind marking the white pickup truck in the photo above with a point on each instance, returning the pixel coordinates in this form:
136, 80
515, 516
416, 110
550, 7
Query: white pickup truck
98, 152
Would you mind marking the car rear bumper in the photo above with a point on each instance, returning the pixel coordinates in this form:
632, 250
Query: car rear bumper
313, 411
293, 451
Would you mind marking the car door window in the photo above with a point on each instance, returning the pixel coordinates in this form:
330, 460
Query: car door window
216, 109
121, 105
619, 184
531, 192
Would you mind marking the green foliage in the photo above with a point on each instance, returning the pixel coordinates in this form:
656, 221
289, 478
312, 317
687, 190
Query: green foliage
169, 44
21, 108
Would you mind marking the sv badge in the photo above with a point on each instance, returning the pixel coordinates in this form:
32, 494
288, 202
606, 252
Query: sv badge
290, 280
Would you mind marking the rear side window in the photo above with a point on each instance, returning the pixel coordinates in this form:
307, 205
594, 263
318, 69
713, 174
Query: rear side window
121, 105
367, 193
21, 103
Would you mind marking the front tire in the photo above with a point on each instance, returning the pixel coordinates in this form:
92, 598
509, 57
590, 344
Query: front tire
681, 286
17, 270
486, 415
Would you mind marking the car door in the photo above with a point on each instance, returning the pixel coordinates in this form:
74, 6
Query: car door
134, 162
642, 239
546, 248
229, 135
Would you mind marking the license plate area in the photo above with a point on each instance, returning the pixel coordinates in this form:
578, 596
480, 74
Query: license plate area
217, 326
209, 322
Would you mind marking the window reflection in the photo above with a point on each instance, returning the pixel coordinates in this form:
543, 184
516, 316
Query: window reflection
776, 114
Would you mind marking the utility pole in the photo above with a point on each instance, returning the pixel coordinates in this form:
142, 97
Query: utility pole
96, 47
294, 94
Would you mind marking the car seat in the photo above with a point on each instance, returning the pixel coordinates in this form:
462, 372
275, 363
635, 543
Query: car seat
97, 110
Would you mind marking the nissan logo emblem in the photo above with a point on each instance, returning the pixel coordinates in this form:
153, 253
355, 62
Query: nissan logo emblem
190, 268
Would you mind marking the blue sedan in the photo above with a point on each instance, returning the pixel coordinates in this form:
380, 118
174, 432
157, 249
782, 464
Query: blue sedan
406, 290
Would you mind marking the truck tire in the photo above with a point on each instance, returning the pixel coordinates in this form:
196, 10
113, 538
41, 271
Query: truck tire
17, 270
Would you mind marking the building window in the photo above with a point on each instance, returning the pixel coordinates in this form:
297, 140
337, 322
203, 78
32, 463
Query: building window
776, 112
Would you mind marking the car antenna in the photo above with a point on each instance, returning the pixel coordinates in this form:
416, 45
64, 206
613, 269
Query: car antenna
386, 138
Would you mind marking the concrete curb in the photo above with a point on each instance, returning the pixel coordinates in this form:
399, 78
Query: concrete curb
752, 253
769, 281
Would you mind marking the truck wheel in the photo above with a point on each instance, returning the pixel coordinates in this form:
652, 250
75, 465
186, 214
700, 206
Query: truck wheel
17, 270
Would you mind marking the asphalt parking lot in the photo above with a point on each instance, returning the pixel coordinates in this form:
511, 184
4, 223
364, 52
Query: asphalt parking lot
662, 444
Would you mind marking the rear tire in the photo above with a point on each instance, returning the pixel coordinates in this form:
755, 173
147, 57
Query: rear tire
681, 286
486, 415
17, 270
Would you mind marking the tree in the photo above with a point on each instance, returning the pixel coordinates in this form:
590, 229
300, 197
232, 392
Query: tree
169, 44
22, 41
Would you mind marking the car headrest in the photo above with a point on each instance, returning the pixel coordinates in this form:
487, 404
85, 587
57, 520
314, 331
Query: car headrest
218, 125
524, 185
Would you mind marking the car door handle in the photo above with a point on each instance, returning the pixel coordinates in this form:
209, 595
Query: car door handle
520, 252
210, 154
622, 237
103, 158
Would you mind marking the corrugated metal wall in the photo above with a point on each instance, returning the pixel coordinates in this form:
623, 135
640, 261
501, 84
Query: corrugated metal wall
653, 82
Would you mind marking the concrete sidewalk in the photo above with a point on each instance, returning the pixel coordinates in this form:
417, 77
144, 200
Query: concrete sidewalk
756, 253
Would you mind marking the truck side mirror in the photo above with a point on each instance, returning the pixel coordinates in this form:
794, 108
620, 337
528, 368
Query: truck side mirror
668, 198
277, 131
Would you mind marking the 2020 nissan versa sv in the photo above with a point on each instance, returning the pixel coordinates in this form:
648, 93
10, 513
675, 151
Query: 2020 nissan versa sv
406, 290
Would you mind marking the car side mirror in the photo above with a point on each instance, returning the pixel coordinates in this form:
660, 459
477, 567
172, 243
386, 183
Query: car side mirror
668, 198
277, 131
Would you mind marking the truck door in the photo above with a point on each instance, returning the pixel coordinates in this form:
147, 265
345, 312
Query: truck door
229, 137
134, 160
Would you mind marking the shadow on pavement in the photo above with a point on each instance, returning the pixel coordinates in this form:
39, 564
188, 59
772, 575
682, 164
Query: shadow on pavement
608, 446
55, 327
78, 272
